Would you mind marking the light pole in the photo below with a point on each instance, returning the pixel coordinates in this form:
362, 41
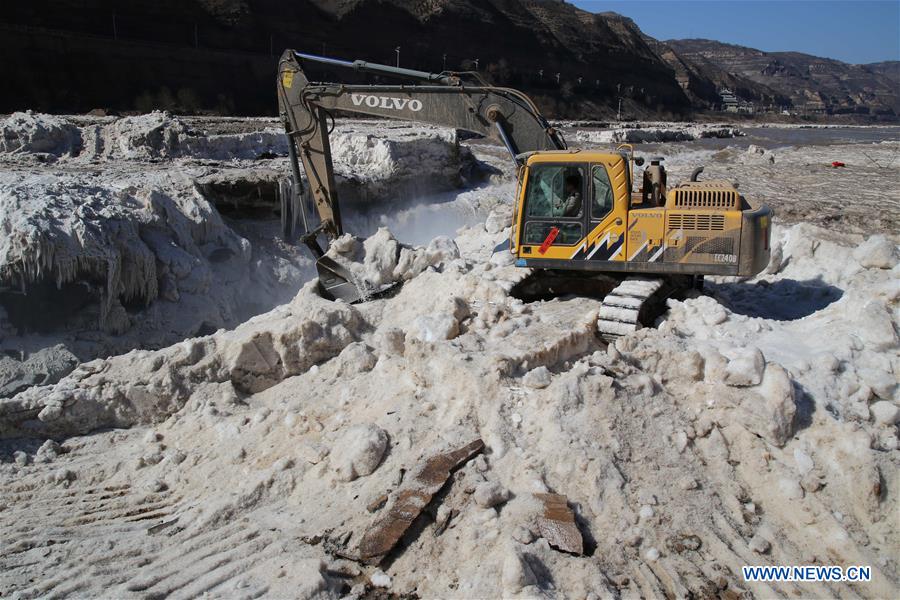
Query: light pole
476, 64
397, 50
619, 94
444, 63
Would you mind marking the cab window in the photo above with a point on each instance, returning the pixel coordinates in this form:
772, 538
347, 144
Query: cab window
602, 201
555, 191
538, 231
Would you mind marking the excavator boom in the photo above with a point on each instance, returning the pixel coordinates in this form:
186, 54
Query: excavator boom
306, 109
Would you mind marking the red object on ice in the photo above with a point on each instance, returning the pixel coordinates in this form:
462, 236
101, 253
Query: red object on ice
837, 164
548, 241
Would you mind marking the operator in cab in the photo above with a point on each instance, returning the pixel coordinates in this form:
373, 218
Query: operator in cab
571, 205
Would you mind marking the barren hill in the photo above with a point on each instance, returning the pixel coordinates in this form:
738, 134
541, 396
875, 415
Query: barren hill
219, 56
811, 82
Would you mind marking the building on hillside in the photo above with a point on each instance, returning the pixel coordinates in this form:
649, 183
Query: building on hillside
732, 103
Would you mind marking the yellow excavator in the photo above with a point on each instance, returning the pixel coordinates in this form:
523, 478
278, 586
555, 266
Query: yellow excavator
576, 216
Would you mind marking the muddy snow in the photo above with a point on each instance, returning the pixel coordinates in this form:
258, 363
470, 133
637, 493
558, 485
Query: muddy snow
754, 425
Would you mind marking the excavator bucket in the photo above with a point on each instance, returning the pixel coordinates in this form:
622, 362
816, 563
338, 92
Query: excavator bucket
336, 282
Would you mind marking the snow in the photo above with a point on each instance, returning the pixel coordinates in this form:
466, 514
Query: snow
743, 424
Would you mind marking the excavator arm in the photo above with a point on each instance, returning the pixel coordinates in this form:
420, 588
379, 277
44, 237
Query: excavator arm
305, 107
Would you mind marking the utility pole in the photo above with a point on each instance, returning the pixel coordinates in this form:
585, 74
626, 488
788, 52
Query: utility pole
397, 50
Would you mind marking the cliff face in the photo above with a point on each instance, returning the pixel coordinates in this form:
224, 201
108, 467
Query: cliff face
812, 83
69, 55
219, 55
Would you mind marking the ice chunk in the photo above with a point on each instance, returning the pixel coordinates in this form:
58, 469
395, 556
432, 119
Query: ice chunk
877, 252
359, 451
537, 378
745, 367
885, 412
489, 494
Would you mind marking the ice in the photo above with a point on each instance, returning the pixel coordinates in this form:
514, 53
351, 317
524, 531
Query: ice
668, 132
358, 453
28, 132
758, 418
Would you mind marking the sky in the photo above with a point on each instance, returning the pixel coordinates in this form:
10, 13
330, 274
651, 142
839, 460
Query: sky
854, 31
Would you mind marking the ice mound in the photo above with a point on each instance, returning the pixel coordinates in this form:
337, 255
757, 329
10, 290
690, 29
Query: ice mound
755, 423
28, 132
651, 133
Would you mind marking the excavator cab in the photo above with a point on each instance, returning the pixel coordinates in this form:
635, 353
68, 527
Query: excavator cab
568, 208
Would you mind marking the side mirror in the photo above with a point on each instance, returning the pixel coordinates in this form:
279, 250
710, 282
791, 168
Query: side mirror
639, 161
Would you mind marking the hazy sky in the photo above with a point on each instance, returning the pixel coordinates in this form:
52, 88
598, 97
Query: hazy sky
854, 31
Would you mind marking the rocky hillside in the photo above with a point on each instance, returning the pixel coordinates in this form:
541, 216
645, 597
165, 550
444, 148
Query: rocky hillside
812, 83
219, 56
889, 68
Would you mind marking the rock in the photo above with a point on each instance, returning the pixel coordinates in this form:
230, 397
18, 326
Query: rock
538, 378
652, 554
20, 458
877, 252
646, 512
745, 367
359, 451
885, 412
489, 494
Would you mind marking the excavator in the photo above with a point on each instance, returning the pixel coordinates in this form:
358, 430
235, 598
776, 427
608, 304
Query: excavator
576, 215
